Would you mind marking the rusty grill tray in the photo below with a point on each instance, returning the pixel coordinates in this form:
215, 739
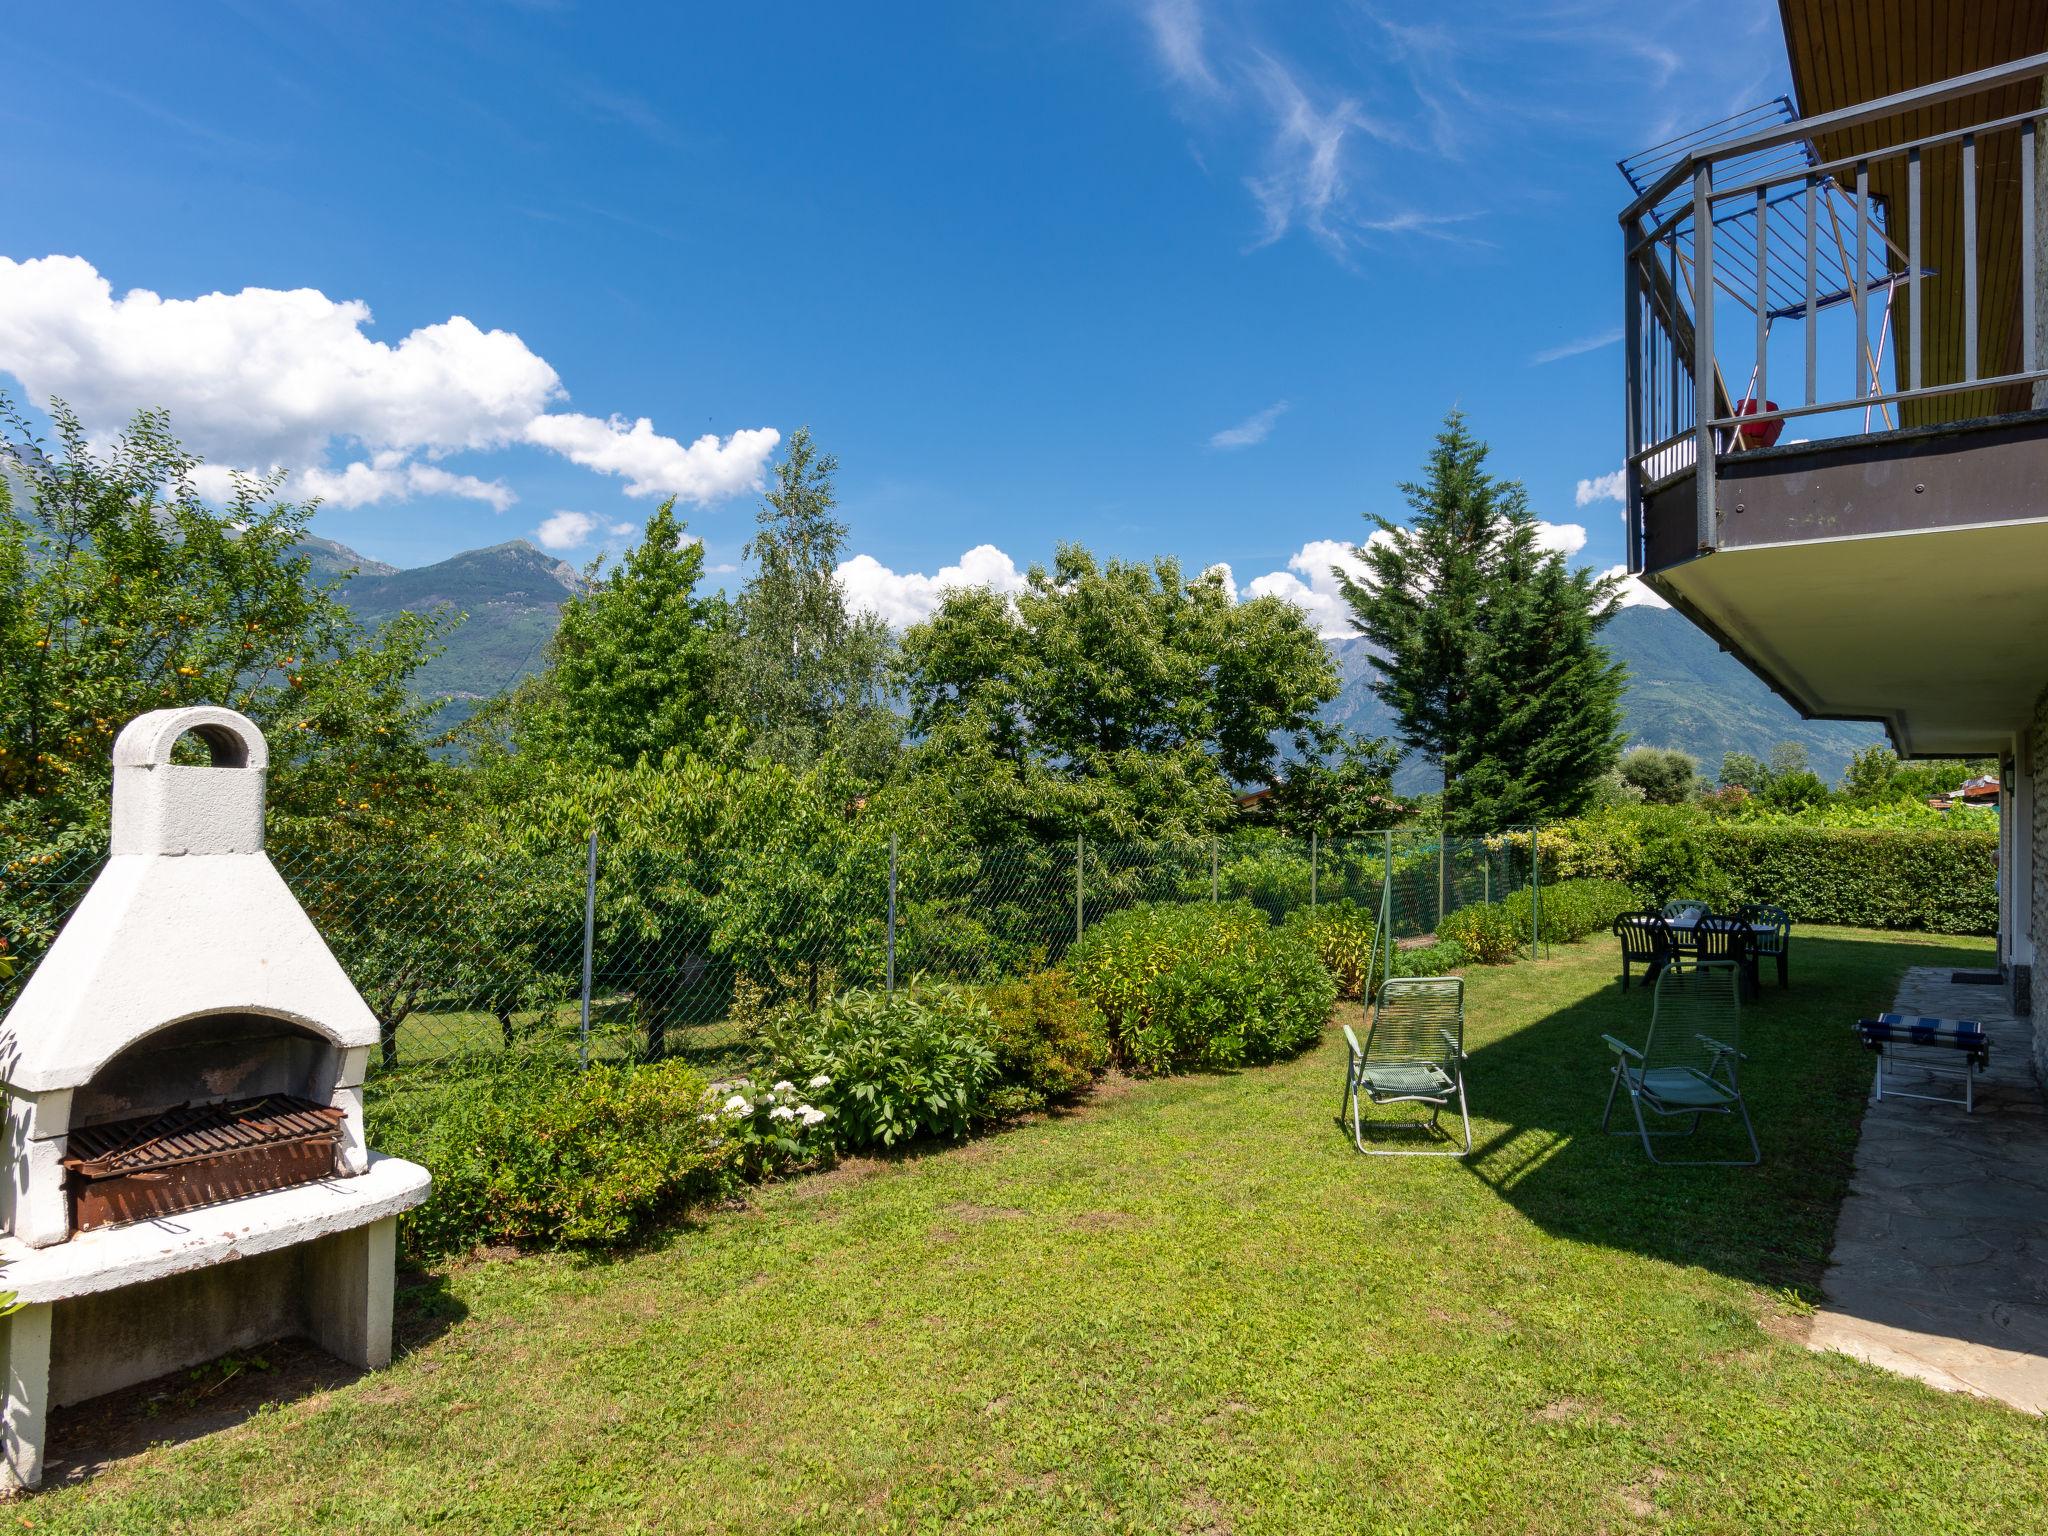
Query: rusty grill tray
195, 1133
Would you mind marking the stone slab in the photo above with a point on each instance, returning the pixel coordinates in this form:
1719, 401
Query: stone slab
1940, 1264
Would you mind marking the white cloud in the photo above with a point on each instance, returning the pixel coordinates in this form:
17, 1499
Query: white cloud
1584, 344
563, 531
1566, 538
1304, 182
1610, 487
1253, 430
653, 465
271, 377
906, 598
1177, 34
1315, 590
1633, 593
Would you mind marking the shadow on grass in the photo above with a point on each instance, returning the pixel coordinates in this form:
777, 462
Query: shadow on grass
1806, 1080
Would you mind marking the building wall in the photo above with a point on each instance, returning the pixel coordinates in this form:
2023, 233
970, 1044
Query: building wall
2036, 830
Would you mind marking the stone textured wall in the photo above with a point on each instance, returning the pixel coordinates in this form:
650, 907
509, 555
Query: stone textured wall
2037, 899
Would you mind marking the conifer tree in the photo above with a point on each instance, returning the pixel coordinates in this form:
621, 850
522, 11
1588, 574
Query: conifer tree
1488, 644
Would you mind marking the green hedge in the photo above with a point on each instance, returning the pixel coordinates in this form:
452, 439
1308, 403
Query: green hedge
1932, 881
1205, 985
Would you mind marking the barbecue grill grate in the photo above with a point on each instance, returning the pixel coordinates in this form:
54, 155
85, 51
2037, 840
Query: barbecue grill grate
194, 1132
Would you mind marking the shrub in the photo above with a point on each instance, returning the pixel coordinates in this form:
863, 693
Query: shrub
1487, 931
553, 1157
1049, 1041
896, 1066
1341, 934
1203, 985
774, 1127
1438, 959
1572, 909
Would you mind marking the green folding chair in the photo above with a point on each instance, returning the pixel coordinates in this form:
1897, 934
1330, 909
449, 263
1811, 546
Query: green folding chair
1689, 1065
1414, 1053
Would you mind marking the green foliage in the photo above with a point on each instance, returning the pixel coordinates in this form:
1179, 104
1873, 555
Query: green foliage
808, 675
1488, 932
1438, 959
1739, 770
1341, 934
1203, 985
1341, 786
1788, 757
1940, 879
774, 1127
632, 670
1107, 699
122, 591
1489, 644
1795, 791
1662, 776
898, 1066
1050, 1041
1872, 774
545, 1157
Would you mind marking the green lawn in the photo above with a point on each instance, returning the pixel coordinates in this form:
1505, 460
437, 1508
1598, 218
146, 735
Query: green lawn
1191, 1307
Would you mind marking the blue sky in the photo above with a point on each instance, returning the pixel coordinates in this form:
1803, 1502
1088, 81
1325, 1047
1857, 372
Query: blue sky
1162, 276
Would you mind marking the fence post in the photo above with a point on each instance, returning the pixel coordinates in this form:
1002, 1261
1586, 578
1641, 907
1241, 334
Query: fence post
1386, 910
1535, 896
589, 938
1442, 840
892, 912
1313, 850
1213, 887
1080, 856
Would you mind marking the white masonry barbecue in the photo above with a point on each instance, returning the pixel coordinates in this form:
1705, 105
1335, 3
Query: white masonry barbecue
186, 1173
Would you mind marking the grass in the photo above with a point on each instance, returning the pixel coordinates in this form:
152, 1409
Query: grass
1191, 1307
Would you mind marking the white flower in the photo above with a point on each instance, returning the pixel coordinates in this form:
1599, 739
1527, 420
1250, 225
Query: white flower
821, 1081
813, 1116
782, 1112
785, 1086
737, 1105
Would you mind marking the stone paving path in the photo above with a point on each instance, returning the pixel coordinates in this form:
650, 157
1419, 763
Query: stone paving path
1940, 1265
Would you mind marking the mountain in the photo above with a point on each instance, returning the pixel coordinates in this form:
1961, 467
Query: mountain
1684, 691
512, 594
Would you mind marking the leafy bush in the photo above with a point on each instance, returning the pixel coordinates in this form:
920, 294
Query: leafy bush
1572, 909
1204, 985
1488, 931
772, 1128
1438, 959
1341, 933
1049, 1041
540, 1156
895, 1066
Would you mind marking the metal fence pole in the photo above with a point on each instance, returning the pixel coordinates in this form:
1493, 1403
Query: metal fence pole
892, 912
1535, 896
1442, 839
1386, 910
1213, 886
1080, 857
589, 943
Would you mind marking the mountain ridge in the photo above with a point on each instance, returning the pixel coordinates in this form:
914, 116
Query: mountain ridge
1683, 690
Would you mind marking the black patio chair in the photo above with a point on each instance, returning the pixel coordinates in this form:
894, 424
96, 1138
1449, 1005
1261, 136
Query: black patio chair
1646, 941
1771, 939
1718, 940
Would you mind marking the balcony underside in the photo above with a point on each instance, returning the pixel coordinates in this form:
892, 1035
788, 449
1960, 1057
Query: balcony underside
1895, 577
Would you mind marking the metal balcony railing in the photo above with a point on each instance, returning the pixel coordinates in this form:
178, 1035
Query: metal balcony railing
1875, 266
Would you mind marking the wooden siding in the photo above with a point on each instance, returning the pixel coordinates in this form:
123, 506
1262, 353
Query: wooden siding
1849, 51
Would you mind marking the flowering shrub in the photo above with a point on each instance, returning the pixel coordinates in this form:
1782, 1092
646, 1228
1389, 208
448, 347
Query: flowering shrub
550, 1157
896, 1066
1049, 1040
771, 1128
1205, 985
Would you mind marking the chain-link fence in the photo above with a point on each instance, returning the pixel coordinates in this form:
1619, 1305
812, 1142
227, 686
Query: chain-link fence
609, 952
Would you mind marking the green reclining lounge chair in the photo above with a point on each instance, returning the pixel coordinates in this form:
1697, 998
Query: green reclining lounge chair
1414, 1053
1690, 1062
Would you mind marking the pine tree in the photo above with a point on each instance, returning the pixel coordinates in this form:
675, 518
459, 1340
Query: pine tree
1488, 644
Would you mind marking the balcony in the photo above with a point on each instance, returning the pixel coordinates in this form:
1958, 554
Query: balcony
1837, 461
